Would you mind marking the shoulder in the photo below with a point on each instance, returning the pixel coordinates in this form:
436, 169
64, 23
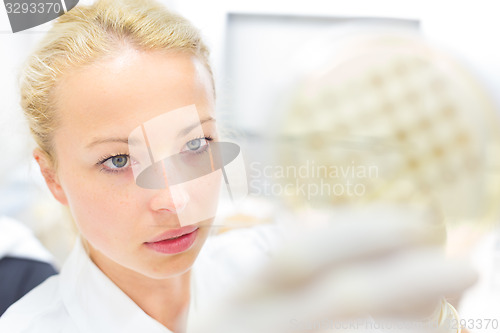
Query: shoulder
39, 311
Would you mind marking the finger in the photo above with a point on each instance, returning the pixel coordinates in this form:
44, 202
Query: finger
352, 291
350, 237
405, 281
399, 284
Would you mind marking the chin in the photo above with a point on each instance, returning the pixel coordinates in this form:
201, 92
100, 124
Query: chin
172, 269
178, 264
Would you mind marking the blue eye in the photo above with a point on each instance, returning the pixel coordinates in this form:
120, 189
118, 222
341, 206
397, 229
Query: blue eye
196, 144
117, 162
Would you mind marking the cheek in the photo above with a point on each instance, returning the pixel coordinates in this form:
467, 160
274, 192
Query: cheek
103, 206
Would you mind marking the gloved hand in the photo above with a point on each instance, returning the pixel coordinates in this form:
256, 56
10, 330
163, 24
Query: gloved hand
335, 272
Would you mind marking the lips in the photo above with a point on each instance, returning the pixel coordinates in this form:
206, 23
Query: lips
174, 233
174, 241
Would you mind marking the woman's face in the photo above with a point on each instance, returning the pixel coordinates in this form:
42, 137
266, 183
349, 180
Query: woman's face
98, 106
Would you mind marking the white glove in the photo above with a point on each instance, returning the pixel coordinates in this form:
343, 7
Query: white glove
383, 262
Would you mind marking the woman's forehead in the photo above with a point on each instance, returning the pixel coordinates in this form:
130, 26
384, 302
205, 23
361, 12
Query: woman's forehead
132, 88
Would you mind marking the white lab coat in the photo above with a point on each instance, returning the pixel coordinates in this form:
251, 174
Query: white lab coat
81, 299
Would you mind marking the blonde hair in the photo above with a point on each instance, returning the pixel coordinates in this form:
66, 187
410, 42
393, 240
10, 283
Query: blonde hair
88, 33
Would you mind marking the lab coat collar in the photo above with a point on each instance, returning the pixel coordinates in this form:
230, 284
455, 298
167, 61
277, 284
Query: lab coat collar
96, 304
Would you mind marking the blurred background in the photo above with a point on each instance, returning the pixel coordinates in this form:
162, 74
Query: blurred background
268, 56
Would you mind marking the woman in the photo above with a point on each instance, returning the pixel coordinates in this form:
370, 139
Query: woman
120, 99
100, 72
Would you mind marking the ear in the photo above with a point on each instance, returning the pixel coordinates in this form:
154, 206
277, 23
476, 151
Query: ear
50, 175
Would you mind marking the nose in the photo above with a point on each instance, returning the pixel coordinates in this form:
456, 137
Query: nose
173, 199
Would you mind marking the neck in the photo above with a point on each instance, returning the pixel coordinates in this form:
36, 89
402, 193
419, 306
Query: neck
165, 300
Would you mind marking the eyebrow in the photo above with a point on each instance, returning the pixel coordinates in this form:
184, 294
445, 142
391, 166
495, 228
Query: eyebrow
107, 140
193, 126
126, 141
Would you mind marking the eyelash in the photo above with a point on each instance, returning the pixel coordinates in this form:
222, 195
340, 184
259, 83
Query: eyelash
105, 158
207, 138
